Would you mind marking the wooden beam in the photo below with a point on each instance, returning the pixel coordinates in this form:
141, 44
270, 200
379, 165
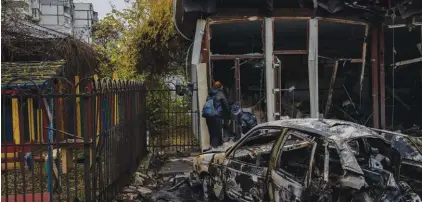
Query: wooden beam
330, 91
225, 15
382, 78
290, 52
78, 108
364, 50
237, 81
343, 21
241, 57
227, 20
406, 62
207, 53
375, 87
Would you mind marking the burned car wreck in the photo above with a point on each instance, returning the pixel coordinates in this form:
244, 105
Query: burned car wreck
304, 160
411, 155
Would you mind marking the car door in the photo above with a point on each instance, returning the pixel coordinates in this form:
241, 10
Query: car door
411, 156
290, 174
247, 165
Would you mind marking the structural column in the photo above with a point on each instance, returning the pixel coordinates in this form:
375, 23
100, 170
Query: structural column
269, 70
196, 56
313, 67
382, 78
375, 87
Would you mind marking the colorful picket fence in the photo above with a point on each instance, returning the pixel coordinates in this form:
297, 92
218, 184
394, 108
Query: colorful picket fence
50, 128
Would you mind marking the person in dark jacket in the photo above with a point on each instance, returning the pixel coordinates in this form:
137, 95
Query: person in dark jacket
245, 120
222, 107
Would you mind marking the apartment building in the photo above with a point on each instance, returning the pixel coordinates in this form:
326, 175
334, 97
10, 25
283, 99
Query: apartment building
57, 15
84, 17
65, 16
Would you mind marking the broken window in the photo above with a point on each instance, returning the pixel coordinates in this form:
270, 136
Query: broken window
290, 34
256, 148
237, 38
340, 39
295, 157
246, 88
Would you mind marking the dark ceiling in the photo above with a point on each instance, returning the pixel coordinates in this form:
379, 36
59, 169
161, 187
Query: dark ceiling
187, 11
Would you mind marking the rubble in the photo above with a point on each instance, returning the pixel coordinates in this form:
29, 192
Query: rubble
169, 183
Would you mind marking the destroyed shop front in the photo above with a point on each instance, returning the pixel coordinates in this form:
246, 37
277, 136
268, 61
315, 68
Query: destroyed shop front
359, 62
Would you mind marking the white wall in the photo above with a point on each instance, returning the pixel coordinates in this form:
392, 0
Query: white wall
49, 10
83, 6
83, 14
35, 4
82, 23
48, 20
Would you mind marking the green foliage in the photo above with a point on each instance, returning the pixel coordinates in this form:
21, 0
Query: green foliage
140, 42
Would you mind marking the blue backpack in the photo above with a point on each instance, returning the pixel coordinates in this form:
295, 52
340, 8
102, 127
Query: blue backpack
208, 110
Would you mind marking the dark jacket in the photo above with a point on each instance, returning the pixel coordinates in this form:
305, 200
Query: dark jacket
247, 121
219, 99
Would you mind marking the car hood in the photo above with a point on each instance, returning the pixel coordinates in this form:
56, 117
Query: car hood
202, 161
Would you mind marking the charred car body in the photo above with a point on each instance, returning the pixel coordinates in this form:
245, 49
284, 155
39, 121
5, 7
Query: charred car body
411, 155
304, 160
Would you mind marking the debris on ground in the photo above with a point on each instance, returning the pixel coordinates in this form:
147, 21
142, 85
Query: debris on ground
167, 182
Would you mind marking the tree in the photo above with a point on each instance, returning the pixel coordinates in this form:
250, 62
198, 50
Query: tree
140, 42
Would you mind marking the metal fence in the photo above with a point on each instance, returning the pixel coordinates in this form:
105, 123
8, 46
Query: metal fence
70, 141
171, 125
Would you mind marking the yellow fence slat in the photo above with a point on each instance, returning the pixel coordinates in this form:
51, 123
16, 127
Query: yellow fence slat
15, 121
78, 109
31, 119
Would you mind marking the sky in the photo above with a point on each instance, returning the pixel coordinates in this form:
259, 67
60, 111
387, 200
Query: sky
104, 6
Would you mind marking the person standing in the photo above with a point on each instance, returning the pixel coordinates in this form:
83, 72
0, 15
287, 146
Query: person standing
214, 111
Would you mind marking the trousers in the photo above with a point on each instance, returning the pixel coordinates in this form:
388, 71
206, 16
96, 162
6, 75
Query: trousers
215, 131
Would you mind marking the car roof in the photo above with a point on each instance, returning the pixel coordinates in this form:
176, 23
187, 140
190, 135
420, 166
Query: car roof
327, 128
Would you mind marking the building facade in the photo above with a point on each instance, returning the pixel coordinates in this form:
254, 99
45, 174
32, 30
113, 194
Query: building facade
57, 15
84, 17
64, 16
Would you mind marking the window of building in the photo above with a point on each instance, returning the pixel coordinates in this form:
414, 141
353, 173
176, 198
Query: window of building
66, 9
34, 12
